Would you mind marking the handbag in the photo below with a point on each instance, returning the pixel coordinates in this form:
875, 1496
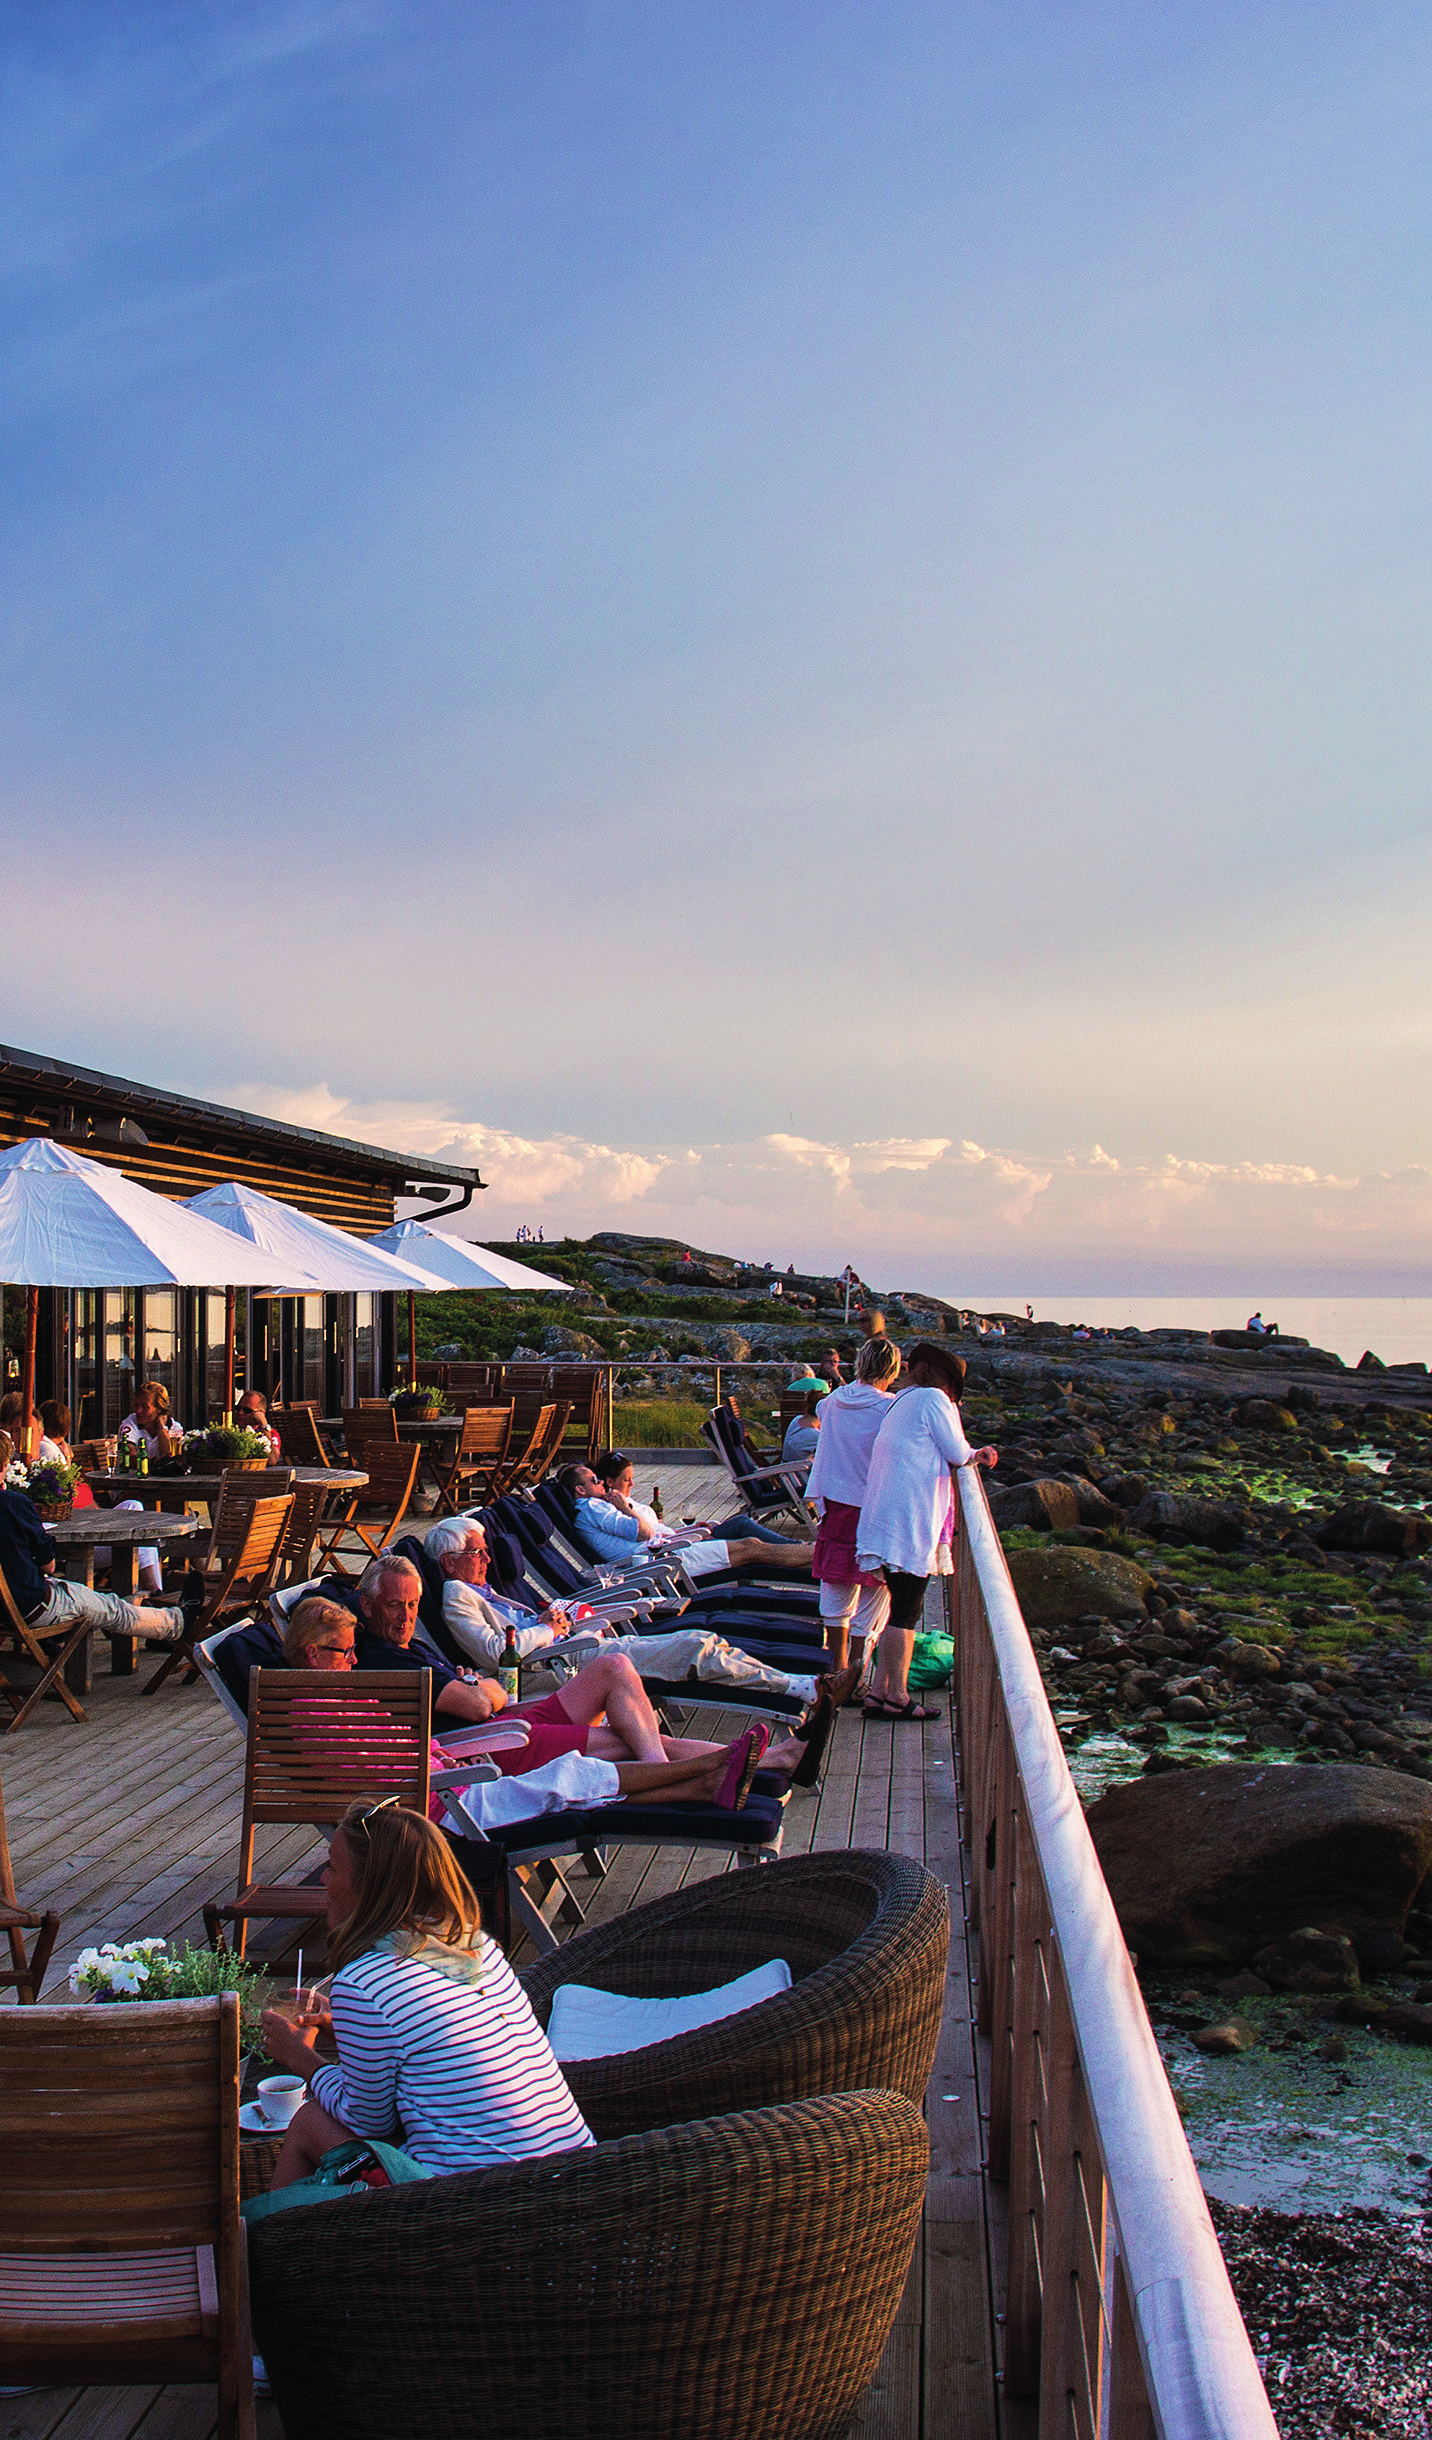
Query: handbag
359, 2167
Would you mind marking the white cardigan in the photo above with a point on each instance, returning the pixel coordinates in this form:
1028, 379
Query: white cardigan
850, 1418
908, 1491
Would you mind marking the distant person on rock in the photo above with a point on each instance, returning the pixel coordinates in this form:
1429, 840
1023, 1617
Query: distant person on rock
1259, 1329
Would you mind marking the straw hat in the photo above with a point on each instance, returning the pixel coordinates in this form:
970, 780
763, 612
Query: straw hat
929, 1351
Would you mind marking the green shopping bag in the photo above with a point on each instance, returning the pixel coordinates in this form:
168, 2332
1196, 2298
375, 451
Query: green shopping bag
346, 2169
932, 1662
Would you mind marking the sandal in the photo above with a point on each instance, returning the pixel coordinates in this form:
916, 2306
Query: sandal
736, 1779
881, 1708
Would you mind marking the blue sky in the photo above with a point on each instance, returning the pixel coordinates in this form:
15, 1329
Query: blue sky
657, 579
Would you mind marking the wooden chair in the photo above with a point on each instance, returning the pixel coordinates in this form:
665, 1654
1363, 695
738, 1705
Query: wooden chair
239, 1566
583, 1386
526, 1471
124, 2258
25, 1974
477, 1381
298, 1435
317, 1742
295, 1553
367, 1427
478, 1459
392, 1469
35, 1644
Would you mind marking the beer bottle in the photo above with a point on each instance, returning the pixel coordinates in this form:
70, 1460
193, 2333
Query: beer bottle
509, 1668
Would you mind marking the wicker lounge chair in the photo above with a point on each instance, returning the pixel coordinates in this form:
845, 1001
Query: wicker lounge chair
866, 1936
674, 2286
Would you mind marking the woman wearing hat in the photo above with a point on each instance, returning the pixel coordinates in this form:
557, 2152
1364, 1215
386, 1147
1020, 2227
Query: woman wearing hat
907, 1514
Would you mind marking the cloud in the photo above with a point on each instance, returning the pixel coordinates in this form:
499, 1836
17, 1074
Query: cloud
929, 1211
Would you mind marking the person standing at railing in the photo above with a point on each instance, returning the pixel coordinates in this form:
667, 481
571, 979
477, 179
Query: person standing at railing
853, 1607
908, 1513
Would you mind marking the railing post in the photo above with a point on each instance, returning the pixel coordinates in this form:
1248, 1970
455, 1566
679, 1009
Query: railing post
1004, 1931
1030, 2132
1130, 2416
1071, 2371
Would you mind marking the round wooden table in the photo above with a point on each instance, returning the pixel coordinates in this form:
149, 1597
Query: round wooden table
76, 1539
166, 1489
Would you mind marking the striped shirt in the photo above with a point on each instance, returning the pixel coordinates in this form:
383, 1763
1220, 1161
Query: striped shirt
462, 2078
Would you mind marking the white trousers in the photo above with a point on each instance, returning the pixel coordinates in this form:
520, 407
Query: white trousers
868, 1605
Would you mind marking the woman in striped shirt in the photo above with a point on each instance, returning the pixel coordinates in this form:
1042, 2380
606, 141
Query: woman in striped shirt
438, 2048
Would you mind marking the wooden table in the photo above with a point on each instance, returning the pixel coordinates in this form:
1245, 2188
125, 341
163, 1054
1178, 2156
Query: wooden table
76, 1539
165, 1491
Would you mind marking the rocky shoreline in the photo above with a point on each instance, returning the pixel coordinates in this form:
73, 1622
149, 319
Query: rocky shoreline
1338, 2307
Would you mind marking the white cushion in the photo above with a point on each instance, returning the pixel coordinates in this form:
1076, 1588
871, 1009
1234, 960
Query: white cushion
588, 2024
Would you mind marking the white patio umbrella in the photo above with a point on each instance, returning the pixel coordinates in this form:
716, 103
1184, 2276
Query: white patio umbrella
333, 1260
67, 1222
463, 1265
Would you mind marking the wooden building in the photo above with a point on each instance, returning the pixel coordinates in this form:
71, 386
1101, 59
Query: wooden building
93, 1343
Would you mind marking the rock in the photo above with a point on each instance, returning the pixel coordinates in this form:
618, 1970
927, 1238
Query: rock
1333, 2048
1244, 1985
1368, 1362
1210, 1865
1056, 1587
1045, 1506
730, 1344
560, 1341
1210, 1522
1125, 1490
1248, 1662
1263, 1415
1371, 1525
1094, 1507
1380, 1951
1225, 2041
1187, 1707
1309, 1960
1388, 2016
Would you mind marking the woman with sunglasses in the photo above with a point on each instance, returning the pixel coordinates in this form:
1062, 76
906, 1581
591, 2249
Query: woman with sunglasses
438, 2048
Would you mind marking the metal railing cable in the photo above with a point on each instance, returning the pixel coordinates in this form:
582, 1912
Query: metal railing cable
1119, 2314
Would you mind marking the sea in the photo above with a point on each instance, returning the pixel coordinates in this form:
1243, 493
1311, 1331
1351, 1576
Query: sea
1397, 1328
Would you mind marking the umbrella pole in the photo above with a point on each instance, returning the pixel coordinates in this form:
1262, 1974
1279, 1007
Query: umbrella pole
228, 1353
413, 1337
32, 1327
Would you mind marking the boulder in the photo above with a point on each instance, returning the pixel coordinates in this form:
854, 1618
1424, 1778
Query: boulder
1246, 1661
1209, 1866
560, 1341
1264, 1415
1058, 1586
1225, 2041
1094, 1508
728, 1343
1044, 1506
1125, 1490
1309, 1960
1372, 1525
1368, 1362
1211, 1523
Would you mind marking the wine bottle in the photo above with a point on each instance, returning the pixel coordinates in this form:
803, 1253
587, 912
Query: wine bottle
509, 1668
656, 1507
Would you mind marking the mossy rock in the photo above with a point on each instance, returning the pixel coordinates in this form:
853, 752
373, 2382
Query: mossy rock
1058, 1585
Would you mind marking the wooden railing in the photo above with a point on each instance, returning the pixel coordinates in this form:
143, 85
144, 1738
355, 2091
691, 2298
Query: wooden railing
1119, 2315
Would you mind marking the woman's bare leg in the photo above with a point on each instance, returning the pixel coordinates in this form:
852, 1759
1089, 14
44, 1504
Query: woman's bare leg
749, 1552
311, 2133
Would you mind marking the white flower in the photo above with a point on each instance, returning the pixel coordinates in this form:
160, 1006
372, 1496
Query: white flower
127, 1974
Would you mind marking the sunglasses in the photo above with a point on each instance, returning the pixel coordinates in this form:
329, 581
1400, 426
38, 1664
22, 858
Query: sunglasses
362, 1819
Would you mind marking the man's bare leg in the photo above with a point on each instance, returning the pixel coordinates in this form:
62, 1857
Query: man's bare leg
610, 1685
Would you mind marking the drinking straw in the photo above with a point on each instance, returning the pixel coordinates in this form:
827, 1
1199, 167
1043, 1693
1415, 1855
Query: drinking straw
298, 1984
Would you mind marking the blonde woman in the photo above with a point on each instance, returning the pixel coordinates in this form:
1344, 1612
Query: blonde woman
438, 2049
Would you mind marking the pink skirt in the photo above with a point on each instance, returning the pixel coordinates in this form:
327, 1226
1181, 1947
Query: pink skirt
834, 1561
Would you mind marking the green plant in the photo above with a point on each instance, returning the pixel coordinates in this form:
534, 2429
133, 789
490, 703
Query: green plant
148, 1969
51, 1483
227, 1440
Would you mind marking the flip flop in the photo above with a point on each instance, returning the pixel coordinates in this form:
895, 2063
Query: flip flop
736, 1779
881, 1709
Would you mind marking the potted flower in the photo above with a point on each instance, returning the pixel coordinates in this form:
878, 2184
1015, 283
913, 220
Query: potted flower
145, 1969
418, 1401
48, 1482
228, 1444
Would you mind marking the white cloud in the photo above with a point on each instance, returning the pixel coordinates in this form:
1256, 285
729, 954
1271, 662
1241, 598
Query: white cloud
925, 1210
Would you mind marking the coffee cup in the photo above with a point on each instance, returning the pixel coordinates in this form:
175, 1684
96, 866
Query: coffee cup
280, 2098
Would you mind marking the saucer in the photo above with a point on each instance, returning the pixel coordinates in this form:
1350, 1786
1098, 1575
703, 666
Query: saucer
253, 2122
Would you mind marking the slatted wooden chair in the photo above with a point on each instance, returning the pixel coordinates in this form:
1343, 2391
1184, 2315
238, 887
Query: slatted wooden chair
123, 2254
478, 1460
365, 1426
25, 1974
239, 1567
295, 1554
582, 1385
479, 1382
392, 1470
524, 1472
298, 1435
316, 1742
48, 1647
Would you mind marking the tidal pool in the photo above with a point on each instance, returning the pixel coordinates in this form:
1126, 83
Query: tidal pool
1297, 2133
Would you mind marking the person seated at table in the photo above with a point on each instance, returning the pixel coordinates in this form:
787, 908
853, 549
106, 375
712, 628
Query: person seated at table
803, 1431
55, 1447
12, 1422
251, 1415
617, 1533
45, 1600
438, 2047
322, 1636
604, 1710
149, 1424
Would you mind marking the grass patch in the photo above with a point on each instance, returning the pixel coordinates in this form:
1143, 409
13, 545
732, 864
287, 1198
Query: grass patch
659, 1423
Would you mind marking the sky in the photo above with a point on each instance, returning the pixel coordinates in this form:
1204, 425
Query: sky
804, 625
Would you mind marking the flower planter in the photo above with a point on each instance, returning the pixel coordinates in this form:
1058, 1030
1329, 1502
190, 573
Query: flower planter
54, 1512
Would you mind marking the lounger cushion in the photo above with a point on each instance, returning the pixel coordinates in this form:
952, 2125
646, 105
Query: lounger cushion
659, 1825
590, 2024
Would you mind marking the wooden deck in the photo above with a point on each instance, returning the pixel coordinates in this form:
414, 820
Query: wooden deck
128, 1822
